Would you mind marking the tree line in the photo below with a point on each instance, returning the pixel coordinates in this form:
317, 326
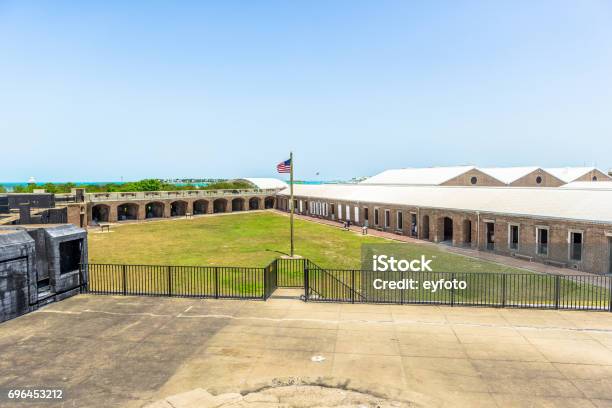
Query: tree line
141, 185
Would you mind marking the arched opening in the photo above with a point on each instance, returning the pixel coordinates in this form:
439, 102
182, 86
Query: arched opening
448, 229
254, 203
127, 211
269, 203
200, 207
219, 205
467, 232
178, 208
100, 213
425, 227
238, 204
154, 210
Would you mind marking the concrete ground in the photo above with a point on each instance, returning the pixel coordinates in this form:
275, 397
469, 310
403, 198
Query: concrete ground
167, 352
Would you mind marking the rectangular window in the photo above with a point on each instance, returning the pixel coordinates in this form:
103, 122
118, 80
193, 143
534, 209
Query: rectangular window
575, 240
356, 214
542, 241
413, 224
348, 212
366, 215
400, 220
387, 218
490, 235
333, 209
300, 205
376, 216
339, 211
513, 237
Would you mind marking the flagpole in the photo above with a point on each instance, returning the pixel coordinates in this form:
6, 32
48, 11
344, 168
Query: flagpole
292, 203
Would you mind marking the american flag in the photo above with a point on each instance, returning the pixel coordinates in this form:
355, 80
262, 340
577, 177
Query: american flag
284, 167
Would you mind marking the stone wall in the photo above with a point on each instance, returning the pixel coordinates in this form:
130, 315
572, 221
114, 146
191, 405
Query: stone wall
17, 274
39, 264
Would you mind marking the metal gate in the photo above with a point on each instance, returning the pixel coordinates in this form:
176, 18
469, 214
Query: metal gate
290, 272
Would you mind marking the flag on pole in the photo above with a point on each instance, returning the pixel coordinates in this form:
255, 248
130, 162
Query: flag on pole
284, 167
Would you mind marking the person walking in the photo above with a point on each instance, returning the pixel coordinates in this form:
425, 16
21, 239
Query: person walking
364, 228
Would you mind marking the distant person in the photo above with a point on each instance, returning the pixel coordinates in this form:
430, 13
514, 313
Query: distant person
348, 225
364, 228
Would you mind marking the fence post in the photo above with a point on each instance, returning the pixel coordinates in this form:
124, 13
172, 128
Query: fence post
276, 273
124, 273
504, 290
557, 290
266, 276
352, 286
453, 290
216, 282
305, 283
169, 281
610, 292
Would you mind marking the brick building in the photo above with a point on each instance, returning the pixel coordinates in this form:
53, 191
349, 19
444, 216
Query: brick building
566, 227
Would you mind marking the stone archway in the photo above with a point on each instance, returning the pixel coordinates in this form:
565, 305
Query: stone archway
219, 205
269, 203
447, 229
100, 213
127, 211
238, 204
200, 207
178, 208
254, 203
154, 209
467, 232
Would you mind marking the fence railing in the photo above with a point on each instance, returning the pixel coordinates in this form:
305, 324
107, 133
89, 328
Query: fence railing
181, 281
522, 290
580, 292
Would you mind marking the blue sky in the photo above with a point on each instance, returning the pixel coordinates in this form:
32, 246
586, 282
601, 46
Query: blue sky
95, 91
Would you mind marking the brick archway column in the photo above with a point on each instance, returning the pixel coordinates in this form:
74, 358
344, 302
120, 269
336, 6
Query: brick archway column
142, 210
458, 235
167, 206
228, 203
437, 231
210, 206
112, 212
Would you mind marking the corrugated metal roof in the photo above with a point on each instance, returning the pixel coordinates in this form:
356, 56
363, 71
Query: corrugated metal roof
262, 182
418, 176
573, 204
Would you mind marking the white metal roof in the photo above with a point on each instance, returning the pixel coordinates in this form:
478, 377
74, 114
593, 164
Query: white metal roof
262, 182
418, 176
573, 204
595, 185
568, 174
508, 175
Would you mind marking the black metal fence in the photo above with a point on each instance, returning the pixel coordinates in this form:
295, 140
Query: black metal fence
291, 272
181, 281
524, 290
578, 292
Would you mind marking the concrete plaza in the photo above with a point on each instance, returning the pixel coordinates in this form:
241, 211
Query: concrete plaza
136, 351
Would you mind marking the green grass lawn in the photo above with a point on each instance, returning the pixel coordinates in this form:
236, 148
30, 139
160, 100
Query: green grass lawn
255, 239
252, 239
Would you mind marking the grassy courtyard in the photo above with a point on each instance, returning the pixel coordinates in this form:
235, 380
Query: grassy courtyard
255, 239
252, 239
